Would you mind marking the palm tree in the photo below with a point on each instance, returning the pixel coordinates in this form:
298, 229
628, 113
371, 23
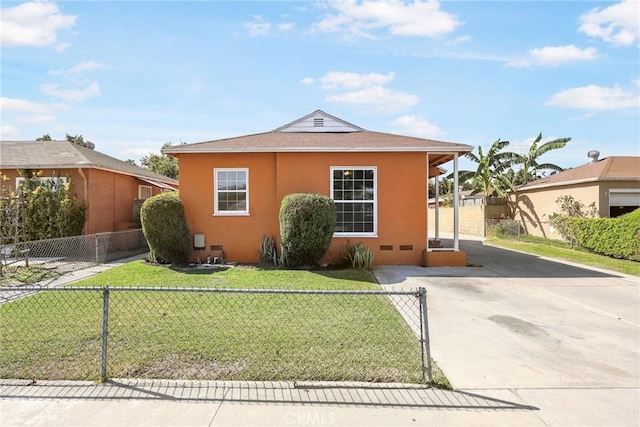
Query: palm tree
529, 161
489, 177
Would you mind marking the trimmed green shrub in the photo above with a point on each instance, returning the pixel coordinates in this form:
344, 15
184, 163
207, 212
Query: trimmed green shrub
615, 237
307, 223
165, 227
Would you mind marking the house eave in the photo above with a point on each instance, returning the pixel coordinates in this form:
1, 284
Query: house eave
577, 181
169, 181
325, 150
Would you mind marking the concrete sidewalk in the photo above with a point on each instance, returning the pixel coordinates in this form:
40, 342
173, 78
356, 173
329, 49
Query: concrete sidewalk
184, 403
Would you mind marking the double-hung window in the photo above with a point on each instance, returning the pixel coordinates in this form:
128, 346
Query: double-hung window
231, 191
353, 189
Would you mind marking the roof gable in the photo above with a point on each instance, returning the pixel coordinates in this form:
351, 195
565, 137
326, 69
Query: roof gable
319, 121
345, 137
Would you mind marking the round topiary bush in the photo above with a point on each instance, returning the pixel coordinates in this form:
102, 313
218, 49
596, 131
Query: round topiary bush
165, 227
307, 223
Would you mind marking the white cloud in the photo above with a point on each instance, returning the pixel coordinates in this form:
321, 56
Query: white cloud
382, 97
554, 56
398, 18
71, 95
14, 104
80, 68
458, 40
308, 81
340, 79
8, 132
618, 24
596, 98
33, 24
37, 119
418, 126
286, 26
258, 27
363, 89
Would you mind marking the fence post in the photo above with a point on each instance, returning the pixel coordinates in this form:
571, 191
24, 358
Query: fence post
105, 327
426, 353
97, 247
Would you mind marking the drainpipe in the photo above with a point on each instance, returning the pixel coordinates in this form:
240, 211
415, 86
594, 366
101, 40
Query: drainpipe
86, 195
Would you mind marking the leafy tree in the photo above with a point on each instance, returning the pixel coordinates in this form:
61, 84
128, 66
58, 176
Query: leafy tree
79, 140
47, 208
529, 161
76, 139
131, 162
575, 208
489, 177
163, 164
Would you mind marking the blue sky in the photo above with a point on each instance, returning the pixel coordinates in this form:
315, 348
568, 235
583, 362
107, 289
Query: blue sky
131, 76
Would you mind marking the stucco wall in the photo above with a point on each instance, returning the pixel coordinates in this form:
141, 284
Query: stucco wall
534, 207
471, 219
401, 196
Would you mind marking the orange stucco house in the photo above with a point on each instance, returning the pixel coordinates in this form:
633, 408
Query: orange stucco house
232, 188
112, 189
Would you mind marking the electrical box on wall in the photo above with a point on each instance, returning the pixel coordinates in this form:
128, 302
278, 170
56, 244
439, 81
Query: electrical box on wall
199, 241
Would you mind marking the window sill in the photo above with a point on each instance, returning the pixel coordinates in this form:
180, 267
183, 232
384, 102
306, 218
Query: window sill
230, 214
363, 235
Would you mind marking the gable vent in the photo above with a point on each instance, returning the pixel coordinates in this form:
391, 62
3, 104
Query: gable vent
318, 122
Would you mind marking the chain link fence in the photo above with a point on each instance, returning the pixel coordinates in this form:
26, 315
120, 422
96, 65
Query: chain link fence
504, 228
29, 262
89, 333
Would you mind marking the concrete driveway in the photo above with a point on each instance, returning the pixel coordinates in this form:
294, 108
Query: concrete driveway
559, 337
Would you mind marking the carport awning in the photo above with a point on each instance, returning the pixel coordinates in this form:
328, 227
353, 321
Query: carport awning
157, 183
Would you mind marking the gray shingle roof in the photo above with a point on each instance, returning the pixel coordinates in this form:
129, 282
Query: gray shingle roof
66, 155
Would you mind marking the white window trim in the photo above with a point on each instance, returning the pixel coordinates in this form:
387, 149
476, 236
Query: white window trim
374, 201
217, 212
140, 187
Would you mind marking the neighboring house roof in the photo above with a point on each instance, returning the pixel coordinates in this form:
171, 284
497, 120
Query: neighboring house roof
614, 168
310, 134
67, 155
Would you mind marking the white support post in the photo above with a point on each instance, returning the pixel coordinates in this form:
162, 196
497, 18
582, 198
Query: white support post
437, 208
427, 219
456, 246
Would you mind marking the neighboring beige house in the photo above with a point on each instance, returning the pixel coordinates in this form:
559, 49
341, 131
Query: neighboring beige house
613, 183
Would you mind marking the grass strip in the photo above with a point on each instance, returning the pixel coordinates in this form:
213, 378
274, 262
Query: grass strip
562, 250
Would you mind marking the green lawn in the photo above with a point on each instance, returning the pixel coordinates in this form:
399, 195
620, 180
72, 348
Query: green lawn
216, 336
561, 250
